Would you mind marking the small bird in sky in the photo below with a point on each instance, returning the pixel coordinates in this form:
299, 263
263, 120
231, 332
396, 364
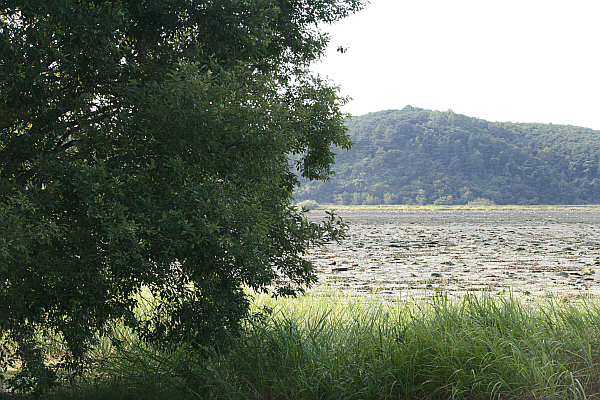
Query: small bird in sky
342, 49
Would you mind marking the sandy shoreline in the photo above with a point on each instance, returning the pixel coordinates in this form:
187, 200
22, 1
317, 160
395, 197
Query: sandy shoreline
413, 253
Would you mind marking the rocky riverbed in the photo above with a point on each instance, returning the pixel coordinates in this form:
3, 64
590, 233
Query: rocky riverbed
415, 253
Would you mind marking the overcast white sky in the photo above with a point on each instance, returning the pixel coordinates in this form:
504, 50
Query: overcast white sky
506, 60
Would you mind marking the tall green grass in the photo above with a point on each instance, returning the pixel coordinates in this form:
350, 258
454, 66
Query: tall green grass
334, 347
478, 347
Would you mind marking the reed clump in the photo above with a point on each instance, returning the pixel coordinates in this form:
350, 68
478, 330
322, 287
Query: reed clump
335, 347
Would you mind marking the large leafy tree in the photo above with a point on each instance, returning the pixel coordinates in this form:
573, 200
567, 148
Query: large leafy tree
146, 145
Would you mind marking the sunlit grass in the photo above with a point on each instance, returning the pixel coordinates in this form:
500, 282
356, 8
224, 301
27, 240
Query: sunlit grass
335, 347
478, 347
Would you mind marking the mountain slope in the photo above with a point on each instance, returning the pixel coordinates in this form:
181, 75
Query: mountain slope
417, 156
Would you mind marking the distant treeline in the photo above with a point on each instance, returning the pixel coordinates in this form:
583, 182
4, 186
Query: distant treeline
417, 156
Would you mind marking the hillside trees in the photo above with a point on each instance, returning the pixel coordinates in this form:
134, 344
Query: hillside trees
145, 144
420, 156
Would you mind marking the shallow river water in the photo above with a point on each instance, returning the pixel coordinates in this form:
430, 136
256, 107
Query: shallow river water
413, 253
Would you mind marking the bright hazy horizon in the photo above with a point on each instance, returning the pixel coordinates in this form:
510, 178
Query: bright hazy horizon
510, 60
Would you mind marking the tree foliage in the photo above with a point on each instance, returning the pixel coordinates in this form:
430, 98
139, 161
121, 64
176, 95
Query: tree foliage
146, 144
417, 156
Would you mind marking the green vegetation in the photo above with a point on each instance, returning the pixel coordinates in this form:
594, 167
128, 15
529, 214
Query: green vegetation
145, 184
416, 156
145, 144
477, 347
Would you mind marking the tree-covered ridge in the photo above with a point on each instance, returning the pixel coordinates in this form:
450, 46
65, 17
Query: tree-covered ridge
417, 156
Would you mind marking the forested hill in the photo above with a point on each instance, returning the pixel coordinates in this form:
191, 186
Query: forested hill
417, 156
